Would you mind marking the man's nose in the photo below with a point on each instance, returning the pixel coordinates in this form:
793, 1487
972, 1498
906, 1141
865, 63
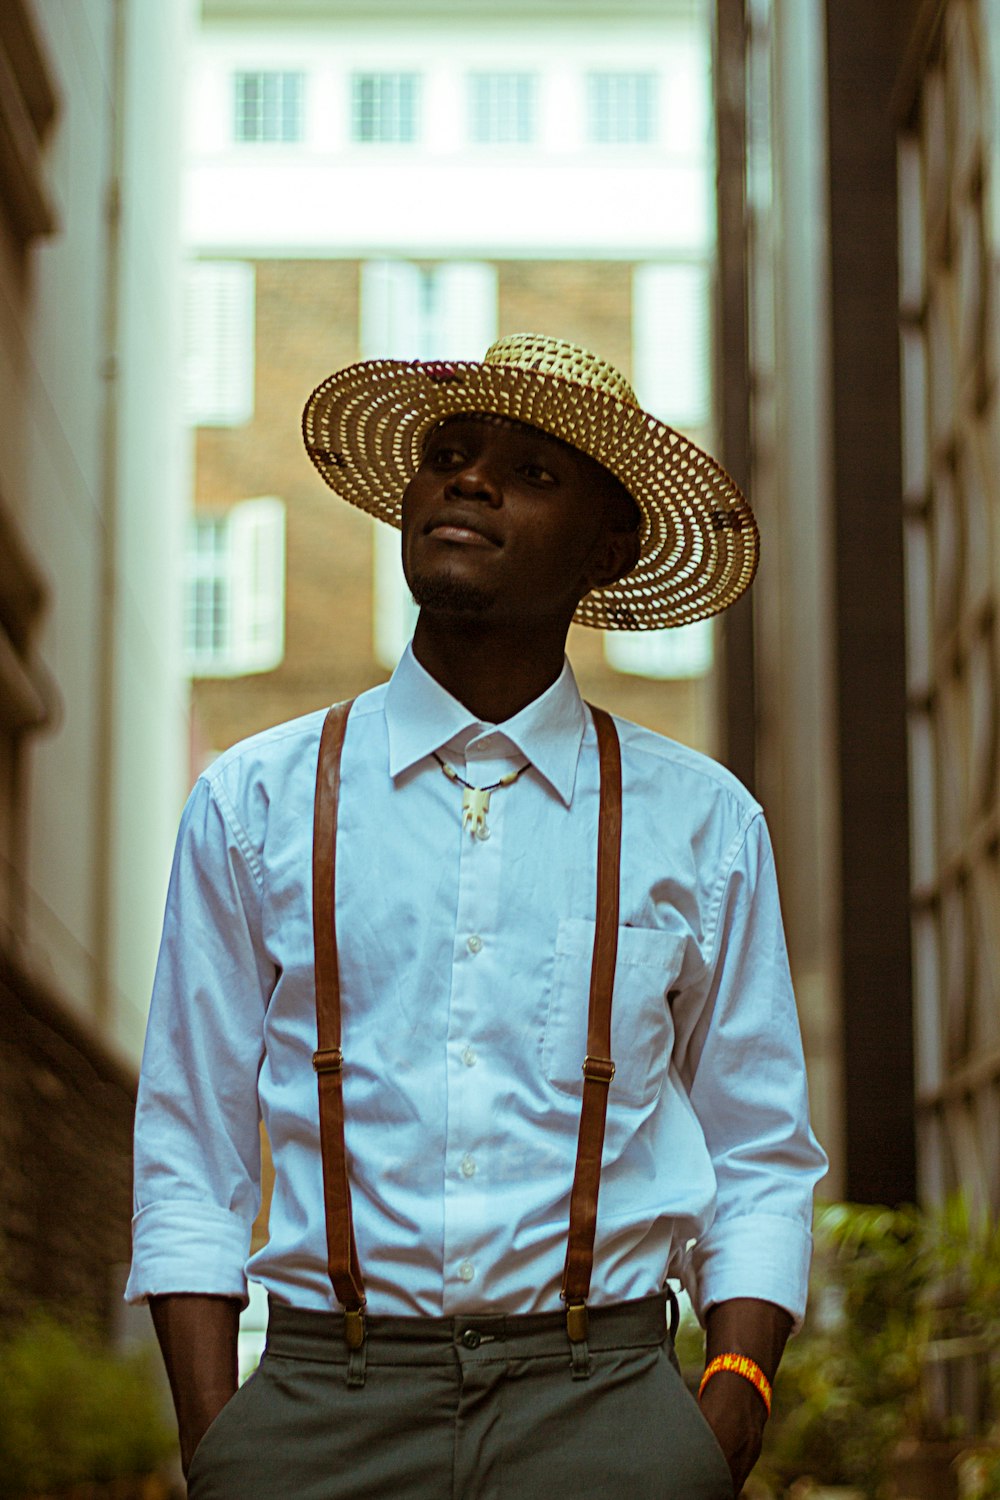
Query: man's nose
475, 481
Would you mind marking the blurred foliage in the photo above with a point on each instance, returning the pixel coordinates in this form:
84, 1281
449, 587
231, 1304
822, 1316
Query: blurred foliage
72, 1411
852, 1383
979, 1473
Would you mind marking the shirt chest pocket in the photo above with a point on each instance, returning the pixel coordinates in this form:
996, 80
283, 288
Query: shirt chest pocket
641, 1025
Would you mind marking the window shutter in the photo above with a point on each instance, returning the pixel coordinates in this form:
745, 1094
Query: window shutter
672, 369
671, 343
463, 321
219, 343
257, 591
391, 310
448, 312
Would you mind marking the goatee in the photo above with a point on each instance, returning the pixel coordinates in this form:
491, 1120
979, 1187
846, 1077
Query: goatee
449, 596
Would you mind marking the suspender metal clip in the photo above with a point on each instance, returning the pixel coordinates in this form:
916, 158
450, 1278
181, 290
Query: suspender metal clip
354, 1327
328, 1060
577, 1322
598, 1069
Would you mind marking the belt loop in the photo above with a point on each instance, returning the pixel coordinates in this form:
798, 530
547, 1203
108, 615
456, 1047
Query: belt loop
576, 1331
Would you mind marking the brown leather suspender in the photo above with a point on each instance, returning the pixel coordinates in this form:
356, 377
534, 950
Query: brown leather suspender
598, 1068
328, 1060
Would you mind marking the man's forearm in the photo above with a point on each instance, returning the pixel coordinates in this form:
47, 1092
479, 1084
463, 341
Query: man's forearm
199, 1341
731, 1405
746, 1325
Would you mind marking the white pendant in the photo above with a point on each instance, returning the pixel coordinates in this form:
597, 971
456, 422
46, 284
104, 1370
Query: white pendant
475, 806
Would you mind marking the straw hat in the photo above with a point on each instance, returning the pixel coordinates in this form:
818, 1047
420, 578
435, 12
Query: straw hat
364, 428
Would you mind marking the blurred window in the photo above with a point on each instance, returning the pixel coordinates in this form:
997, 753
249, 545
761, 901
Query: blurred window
384, 107
219, 343
671, 343
621, 109
269, 106
235, 590
502, 108
442, 311
685, 651
672, 376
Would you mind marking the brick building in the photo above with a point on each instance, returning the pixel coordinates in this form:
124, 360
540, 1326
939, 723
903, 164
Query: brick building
307, 324
367, 182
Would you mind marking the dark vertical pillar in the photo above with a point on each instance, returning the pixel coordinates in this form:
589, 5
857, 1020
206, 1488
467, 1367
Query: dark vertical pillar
737, 695
862, 62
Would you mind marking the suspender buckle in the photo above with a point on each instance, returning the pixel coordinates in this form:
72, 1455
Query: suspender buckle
598, 1070
328, 1060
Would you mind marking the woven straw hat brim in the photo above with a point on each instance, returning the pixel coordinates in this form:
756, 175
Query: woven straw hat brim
364, 429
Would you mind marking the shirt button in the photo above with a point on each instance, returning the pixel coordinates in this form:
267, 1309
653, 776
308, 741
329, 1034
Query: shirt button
466, 1271
468, 1166
469, 1057
474, 943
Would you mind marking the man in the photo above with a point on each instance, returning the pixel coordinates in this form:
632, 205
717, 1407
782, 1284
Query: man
381, 933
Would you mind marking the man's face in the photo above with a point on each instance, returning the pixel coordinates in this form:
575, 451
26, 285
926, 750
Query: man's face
505, 523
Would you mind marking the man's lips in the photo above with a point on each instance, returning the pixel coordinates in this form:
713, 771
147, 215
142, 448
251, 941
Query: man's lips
458, 529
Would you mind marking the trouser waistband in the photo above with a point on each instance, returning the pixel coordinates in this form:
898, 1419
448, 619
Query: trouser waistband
302, 1333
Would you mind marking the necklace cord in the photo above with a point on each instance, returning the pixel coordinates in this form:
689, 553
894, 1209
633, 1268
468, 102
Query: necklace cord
452, 775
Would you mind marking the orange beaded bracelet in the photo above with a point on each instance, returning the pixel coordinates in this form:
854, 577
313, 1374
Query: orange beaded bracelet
740, 1364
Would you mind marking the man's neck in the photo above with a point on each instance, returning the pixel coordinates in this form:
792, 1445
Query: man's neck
494, 671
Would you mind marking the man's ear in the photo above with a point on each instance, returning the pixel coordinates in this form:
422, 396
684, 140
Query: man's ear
615, 555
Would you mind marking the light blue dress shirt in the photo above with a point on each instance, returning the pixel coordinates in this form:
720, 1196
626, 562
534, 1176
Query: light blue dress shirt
465, 969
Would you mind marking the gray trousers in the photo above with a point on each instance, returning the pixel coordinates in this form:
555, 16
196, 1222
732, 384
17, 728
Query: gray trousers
468, 1408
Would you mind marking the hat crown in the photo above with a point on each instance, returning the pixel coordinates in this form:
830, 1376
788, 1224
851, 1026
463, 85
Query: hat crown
549, 356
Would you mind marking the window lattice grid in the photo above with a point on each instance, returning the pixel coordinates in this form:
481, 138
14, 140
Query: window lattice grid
269, 106
622, 109
384, 108
207, 613
502, 108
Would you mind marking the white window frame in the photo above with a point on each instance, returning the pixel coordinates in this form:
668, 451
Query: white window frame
237, 563
617, 112
277, 115
390, 115
503, 108
219, 338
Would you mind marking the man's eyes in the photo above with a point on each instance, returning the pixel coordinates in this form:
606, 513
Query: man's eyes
538, 474
444, 456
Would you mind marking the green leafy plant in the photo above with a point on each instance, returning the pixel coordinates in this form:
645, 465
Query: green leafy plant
73, 1412
891, 1289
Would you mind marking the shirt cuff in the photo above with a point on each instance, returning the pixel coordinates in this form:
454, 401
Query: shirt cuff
753, 1255
191, 1247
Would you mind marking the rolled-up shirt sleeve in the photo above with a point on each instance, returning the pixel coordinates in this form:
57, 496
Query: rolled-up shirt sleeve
746, 1079
197, 1138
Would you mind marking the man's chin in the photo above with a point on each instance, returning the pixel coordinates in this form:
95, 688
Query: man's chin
448, 595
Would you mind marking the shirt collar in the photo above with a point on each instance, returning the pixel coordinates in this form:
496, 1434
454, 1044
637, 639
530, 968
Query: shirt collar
421, 716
